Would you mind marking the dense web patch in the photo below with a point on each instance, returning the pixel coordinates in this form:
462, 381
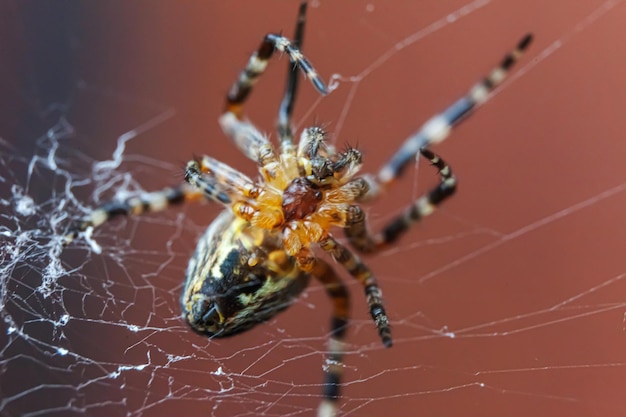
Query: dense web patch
507, 302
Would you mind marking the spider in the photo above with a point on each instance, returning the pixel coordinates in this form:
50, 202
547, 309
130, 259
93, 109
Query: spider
257, 256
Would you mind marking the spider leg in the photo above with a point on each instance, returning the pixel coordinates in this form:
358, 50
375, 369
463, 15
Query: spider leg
438, 127
143, 203
283, 126
341, 306
244, 134
220, 182
217, 180
208, 179
362, 273
257, 64
356, 229
433, 131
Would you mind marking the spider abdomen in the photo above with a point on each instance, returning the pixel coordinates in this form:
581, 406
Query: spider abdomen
237, 277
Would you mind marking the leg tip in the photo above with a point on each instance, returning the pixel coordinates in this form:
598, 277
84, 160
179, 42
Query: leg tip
385, 336
525, 42
319, 85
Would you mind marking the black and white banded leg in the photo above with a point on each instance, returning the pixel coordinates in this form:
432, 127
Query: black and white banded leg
257, 64
233, 123
434, 131
438, 128
340, 298
144, 203
356, 230
363, 274
285, 111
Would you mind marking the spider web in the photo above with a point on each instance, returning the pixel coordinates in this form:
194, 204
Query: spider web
507, 301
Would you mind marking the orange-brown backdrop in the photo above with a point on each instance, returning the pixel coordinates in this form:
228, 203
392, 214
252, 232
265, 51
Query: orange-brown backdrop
523, 265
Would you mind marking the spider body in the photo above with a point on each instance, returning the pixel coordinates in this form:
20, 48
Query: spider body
258, 255
255, 258
237, 277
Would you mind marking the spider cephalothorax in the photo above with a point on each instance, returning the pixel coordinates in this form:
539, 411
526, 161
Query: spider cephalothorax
258, 254
301, 201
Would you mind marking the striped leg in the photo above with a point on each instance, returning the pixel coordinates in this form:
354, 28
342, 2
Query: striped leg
438, 128
218, 181
362, 273
248, 139
357, 232
244, 134
207, 179
283, 126
284, 123
433, 131
339, 321
144, 203
257, 64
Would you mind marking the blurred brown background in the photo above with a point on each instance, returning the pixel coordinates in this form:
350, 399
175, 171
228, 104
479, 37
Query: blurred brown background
523, 266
